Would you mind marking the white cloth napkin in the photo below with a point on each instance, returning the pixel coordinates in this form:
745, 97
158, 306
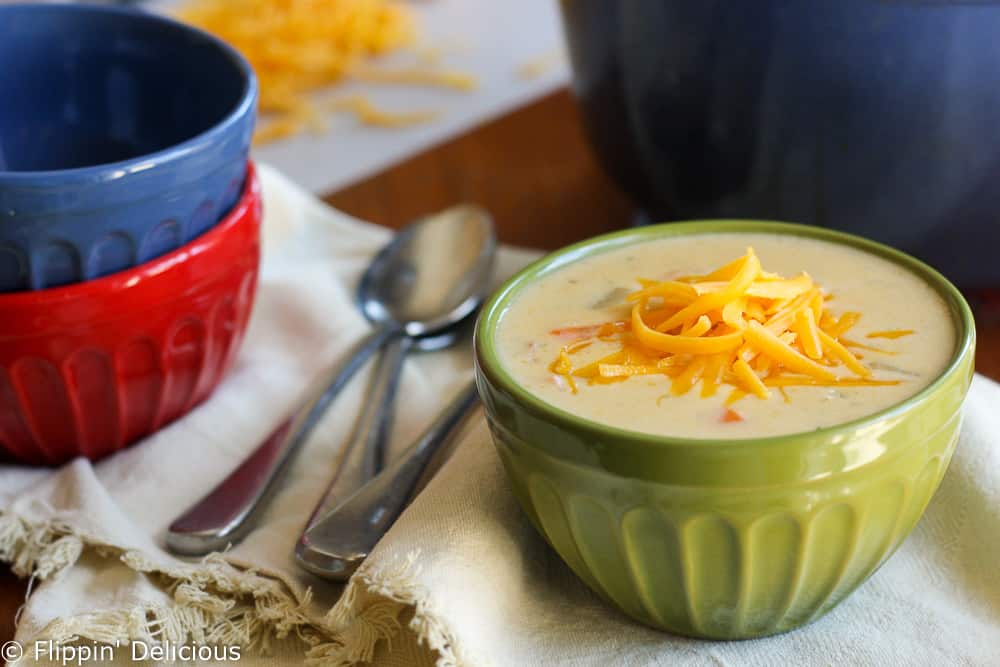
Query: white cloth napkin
461, 579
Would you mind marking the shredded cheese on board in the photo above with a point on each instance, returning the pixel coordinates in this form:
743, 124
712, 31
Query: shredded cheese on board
297, 47
738, 325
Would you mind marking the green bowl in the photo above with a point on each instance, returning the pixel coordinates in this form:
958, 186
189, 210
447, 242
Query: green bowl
723, 539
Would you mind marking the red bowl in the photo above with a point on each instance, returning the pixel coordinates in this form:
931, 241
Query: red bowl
89, 368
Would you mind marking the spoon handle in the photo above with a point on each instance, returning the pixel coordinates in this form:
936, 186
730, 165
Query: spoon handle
339, 541
227, 513
382, 400
356, 460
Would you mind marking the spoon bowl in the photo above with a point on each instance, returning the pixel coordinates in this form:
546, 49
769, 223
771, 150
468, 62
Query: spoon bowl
433, 274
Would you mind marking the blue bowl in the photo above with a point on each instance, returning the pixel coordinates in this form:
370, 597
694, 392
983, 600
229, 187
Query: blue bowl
123, 135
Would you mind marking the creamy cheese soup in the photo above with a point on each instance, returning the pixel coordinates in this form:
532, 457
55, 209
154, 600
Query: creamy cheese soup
912, 324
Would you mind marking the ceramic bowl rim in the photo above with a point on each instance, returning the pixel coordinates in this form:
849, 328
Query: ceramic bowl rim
108, 171
487, 361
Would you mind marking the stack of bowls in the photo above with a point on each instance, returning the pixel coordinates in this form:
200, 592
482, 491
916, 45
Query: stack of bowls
129, 224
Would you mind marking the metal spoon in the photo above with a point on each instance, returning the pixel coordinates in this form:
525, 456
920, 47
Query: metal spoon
361, 457
369, 441
364, 454
430, 277
339, 541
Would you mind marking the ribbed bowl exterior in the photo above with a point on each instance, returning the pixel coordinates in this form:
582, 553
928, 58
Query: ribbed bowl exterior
49, 250
90, 368
723, 539
726, 563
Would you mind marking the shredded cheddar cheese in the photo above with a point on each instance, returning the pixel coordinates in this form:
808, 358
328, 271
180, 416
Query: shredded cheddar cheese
299, 46
540, 65
850, 342
415, 76
738, 325
807, 331
892, 334
367, 113
750, 380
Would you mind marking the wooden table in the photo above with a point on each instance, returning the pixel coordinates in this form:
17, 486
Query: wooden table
533, 170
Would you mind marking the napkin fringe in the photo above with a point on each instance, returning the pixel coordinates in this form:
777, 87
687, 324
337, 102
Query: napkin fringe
369, 611
213, 602
37, 551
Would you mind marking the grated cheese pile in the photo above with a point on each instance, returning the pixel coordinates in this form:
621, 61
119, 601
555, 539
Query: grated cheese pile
739, 326
299, 46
